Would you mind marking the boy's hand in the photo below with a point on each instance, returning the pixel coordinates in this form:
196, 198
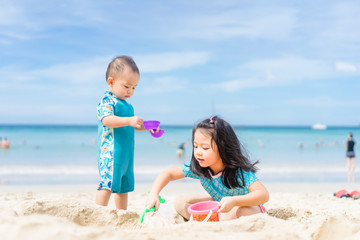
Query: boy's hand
152, 201
136, 122
226, 204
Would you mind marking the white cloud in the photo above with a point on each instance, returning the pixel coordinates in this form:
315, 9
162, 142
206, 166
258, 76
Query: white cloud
159, 109
276, 23
344, 19
164, 62
92, 70
233, 107
161, 85
238, 84
321, 102
283, 71
286, 69
31, 19
11, 14
270, 77
345, 67
273, 72
48, 111
336, 31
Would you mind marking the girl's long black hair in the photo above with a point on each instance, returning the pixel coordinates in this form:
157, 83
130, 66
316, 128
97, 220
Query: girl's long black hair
230, 150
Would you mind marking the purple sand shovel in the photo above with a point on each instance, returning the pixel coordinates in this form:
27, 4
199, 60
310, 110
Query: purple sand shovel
153, 125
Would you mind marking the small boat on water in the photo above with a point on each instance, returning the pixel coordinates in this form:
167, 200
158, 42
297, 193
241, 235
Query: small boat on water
319, 126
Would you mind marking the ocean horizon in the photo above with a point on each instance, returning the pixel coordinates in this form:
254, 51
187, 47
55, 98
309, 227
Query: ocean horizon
66, 154
177, 125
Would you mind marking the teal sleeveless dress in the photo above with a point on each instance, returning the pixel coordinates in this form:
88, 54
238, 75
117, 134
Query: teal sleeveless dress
116, 147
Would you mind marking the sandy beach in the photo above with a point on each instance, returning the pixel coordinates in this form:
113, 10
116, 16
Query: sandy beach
295, 211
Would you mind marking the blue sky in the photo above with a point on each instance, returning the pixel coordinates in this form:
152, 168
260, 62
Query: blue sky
251, 62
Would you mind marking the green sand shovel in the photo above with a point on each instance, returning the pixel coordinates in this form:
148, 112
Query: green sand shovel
162, 200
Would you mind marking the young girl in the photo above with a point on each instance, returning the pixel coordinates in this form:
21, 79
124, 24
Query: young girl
224, 172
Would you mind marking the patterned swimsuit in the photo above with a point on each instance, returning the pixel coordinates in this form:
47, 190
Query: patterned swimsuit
216, 188
116, 147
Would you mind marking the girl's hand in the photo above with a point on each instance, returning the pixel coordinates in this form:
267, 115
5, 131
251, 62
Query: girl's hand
226, 204
136, 122
152, 201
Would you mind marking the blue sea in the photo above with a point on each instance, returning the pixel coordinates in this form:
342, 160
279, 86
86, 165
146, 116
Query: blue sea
67, 154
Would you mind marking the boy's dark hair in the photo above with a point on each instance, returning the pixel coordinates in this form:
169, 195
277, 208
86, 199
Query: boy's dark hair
119, 64
230, 150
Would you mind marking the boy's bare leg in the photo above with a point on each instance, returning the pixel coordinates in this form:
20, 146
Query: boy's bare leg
102, 197
121, 200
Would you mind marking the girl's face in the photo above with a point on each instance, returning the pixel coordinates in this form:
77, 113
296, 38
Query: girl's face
206, 152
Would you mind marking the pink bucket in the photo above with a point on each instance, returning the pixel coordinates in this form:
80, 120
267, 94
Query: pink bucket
204, 211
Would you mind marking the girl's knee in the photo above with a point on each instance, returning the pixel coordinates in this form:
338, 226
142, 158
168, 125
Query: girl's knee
247, 211
183, 199
187, 200
237, 212
182, 202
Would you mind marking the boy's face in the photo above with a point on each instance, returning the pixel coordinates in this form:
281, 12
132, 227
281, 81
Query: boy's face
123, 85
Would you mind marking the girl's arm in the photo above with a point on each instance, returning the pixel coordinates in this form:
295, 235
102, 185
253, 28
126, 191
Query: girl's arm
258, 195
160, 182
116, 122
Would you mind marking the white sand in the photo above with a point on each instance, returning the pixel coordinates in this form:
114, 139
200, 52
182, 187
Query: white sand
295, 211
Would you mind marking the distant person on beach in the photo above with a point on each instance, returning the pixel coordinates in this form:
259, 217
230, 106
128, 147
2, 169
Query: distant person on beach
218, 161
180, 152
5, 144
350, 155
116, 133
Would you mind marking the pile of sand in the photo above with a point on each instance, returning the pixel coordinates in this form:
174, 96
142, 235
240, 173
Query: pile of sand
75, 216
